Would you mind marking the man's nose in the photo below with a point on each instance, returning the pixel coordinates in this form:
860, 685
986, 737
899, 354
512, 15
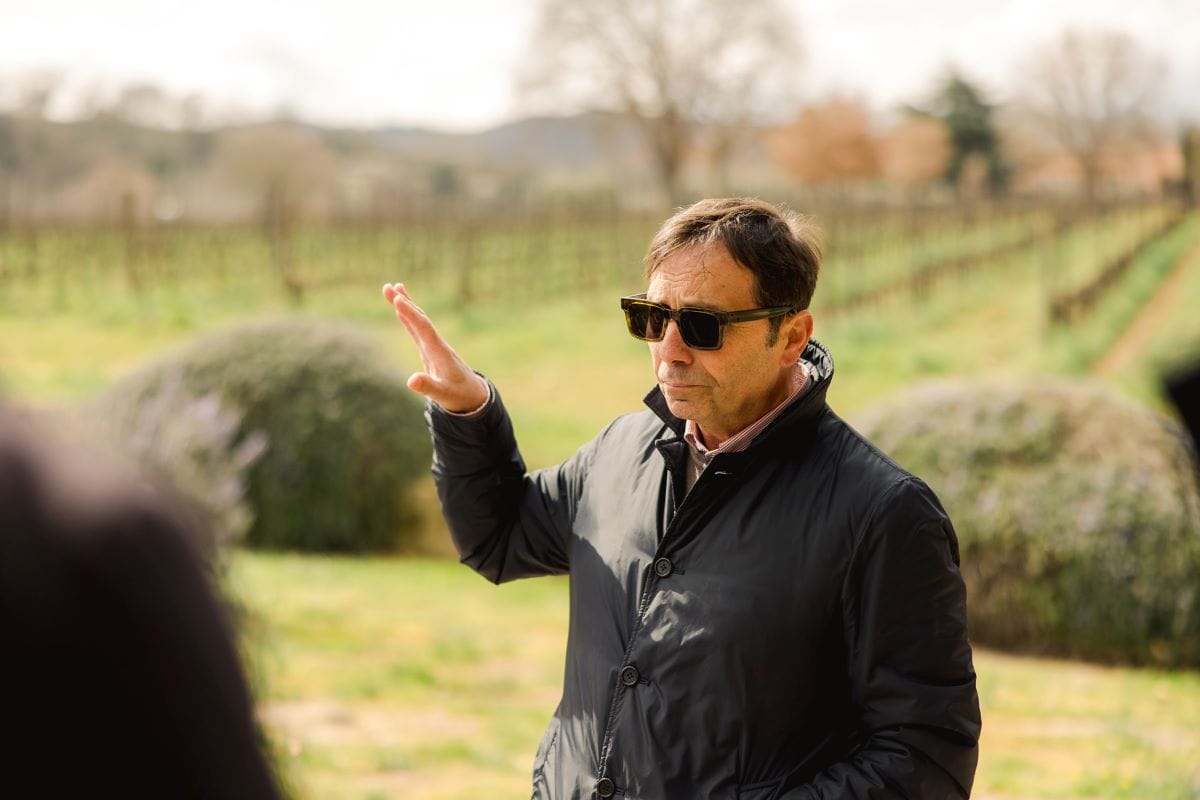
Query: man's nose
672, 347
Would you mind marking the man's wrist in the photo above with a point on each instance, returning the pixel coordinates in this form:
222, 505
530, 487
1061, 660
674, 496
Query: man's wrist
475, 413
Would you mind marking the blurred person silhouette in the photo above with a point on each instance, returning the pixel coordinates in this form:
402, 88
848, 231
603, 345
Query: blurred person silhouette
1183, 387
119, 676
762, 605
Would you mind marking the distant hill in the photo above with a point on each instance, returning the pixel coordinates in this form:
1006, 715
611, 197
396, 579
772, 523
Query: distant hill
99, 168
577, 142
61, 150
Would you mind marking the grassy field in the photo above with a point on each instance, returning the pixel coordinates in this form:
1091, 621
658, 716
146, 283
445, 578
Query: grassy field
414, 678
410, 677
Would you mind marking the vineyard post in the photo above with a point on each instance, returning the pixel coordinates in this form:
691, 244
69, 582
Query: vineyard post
467, 235
1046, 255
1191, 166
129, 237
585, 251
5, 202
32, 268
279, 230
5, 221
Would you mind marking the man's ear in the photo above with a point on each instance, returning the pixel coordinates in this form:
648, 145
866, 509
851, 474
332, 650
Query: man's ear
795, 331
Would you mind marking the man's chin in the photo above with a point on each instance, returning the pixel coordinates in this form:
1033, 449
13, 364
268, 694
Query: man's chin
682, 407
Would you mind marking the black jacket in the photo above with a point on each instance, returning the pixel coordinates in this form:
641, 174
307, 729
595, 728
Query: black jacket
794, 628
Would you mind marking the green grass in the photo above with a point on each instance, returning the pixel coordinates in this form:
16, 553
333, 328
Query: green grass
1079, 346
984, 322
419, 677
1078, 255
1175, 343
858, 262
387, 675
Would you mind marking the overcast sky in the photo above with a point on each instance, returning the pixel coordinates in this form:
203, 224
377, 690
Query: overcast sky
449, 63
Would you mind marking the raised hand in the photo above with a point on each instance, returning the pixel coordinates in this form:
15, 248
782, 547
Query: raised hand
447, 380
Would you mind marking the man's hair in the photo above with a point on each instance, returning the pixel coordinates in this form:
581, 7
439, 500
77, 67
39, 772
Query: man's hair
780, 249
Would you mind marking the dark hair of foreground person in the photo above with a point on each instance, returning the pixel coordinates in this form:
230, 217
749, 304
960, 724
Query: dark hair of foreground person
119, 675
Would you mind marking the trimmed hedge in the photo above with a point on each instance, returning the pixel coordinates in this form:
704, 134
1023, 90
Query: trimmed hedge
1077, 514
344, 437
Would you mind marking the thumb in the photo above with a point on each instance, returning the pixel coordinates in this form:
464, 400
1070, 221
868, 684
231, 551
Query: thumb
457, 397
420, 382
436, 390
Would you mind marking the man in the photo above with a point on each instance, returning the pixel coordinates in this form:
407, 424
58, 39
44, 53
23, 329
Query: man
763, 605
119, 675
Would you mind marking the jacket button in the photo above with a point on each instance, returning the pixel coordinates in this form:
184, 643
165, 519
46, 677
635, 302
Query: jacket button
629, 675
605, 787
662, 567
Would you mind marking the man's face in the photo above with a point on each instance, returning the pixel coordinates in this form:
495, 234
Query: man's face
723, 390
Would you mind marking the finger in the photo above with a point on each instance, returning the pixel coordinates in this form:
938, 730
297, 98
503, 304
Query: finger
416, 338
437, 356
417, 322
406, 309
391, 290
410, 316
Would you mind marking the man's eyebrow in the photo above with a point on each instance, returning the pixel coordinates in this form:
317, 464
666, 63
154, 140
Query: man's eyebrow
707, 307
698, 305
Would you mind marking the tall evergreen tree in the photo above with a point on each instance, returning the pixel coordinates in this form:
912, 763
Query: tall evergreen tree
968, 116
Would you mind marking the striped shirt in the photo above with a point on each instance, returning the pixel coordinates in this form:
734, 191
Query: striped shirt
699, 456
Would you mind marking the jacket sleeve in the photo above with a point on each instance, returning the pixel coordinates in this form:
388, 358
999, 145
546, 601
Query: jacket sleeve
505, 524
911, 673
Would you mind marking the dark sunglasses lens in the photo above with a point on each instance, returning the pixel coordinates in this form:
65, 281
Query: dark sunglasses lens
645, 321
700, 329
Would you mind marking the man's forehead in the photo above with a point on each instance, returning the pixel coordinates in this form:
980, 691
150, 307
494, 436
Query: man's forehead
701, 275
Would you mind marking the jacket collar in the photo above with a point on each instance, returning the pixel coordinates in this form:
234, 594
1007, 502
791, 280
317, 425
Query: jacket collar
803, 411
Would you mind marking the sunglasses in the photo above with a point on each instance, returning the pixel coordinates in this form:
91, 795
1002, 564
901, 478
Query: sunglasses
701, 328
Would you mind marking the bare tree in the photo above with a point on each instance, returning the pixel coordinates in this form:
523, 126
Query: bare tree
144, 104
1090, 91
290, 170
36, 90
677, 68
24, 165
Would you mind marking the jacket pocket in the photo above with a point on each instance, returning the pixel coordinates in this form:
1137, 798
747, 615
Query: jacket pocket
762, 790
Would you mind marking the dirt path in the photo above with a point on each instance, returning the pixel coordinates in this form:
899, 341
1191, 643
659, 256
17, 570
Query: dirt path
1130, 344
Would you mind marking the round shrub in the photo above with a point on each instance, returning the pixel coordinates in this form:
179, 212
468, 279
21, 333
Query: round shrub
344, 438
196, 442
1077, 514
